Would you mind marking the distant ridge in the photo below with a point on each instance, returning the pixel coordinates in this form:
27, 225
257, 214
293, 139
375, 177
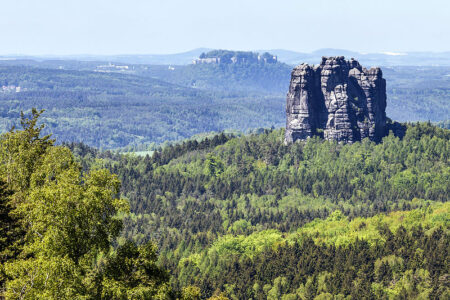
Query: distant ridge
387, 58
182, 58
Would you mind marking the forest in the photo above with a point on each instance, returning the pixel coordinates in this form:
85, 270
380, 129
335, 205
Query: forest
109, 110
249, 216
150, 104
226, 217
216, 206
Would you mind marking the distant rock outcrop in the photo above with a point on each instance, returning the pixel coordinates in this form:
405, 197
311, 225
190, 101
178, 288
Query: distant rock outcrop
338, 100
234, 57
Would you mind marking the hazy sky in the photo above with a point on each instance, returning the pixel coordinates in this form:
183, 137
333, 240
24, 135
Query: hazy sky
169, 26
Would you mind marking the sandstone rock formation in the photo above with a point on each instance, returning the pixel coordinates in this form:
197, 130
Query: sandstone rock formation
338, 100
234, 57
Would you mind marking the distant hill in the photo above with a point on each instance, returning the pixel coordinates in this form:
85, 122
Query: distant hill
231, 71
417, 93
250, 71
414, 93
182, 58
369, 59
110, 110
286, 56
235, 57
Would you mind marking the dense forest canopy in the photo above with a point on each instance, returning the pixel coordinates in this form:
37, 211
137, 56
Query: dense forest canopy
256, 219
243, 217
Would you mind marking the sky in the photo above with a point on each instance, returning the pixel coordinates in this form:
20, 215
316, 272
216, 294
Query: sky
65, 27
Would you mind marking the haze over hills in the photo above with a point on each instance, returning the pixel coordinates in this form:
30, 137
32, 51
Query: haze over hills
369, 59
392, 58
181, 58
110, 110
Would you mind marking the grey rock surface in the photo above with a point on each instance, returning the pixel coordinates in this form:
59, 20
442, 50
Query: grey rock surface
338, 100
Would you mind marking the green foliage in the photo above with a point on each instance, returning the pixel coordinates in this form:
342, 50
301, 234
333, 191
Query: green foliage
132, 273
295, 212
11, 233
67, 222
213, 166
336, 232
256, 182
246, 216
219, 296
20, 152
191, 293
339, 230
307, 269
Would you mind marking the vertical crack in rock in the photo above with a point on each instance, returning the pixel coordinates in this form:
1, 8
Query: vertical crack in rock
338, 100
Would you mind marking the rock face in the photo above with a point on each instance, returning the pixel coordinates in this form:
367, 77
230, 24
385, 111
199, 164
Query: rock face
234, 57
338, 100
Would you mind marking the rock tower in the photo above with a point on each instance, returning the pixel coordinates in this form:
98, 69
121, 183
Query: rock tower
338, 100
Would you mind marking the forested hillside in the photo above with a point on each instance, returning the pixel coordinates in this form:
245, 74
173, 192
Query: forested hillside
223, 70
233, 217
109, 110
147, 104
249, 78
418, 93
257, 219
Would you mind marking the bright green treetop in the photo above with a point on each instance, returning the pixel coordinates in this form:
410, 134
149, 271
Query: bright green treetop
70, 220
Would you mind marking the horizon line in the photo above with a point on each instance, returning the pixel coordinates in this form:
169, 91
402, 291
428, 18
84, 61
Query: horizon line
389, 53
